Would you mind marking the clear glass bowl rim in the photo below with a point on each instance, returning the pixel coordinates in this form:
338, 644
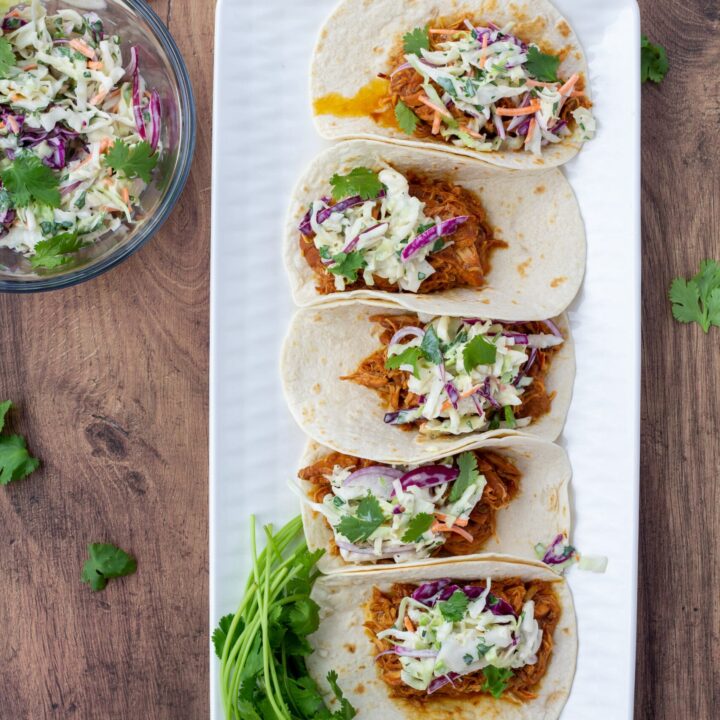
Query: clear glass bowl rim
175, 187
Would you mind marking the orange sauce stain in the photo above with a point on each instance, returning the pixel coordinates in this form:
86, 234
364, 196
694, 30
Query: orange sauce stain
372, 99
523, 267
556, 282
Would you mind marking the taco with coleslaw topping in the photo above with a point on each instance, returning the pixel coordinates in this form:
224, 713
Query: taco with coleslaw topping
424, 230
501, 81
493, 638
396, 386
502, 497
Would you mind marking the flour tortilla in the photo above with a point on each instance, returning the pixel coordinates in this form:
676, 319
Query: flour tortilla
539, 512
323, 345
342, 644
535, 277
360, 37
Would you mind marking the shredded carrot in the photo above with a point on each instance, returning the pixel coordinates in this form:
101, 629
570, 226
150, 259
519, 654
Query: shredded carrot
408, 624
13, 123
84, 162
82, 47
426, 101
16, 96
530, 109
105, 144
439, 527
97, 99
125, 195
470, 132
95, 65
483, 54
14, 13
444, 31
531, 132
570, 84
32, 66
436, 123
458, 521
448, 404
577, 93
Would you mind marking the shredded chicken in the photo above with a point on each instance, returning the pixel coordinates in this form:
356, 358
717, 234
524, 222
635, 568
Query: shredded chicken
381, 613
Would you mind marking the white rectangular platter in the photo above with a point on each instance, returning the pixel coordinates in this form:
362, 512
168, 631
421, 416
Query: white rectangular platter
262, 137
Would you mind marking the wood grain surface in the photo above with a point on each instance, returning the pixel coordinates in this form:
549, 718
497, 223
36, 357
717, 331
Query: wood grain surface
111, 382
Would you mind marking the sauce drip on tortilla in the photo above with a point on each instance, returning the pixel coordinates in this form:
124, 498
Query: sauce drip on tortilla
371, 99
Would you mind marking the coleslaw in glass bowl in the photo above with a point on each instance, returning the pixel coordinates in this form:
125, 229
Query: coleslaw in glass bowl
96, 137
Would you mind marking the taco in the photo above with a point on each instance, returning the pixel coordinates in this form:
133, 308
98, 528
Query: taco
500, 81
504, 496
431, 232
375, 382
492, 638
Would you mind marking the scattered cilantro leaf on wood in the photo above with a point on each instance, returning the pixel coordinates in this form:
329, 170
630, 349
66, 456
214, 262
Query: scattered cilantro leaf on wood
106, 562
359, 527
416, 40
406, 118
359, 181
496, 680
28, 179
16, 462
698, 299
133, 162
417, 527
467, 464
453, 609
478, 352
654, 63
541, 66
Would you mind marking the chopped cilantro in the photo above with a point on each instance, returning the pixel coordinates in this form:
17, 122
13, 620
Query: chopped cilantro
106, 562
478, 352
654, 62
541, 66
469, 474
496, 680
417, 527
348, 265
27, 179
359, 527
453, 609
416, 40
359, 181
409, 356
137, 161
698, 300
439, 244
407, 119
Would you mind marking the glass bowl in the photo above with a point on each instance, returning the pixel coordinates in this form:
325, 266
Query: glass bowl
163, 69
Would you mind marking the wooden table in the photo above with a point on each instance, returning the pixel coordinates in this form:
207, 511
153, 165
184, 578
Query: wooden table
111, 382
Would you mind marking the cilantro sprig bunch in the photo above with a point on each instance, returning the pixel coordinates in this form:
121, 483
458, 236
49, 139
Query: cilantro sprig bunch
698, 299
16, 462
263, 646
654, 63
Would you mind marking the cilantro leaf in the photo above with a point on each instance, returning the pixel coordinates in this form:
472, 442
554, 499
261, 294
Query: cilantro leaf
654, 62
4, 407
305, 696
304, 617
453, 609
496, 680
541, 66
410, 356
419, 525
15, 460
132, 162
29, 179
7, 57
346, 710
698, 300
56, 250
220, 633
431, 346
478, 352
359, 181
416, 40
360, 527
406, 118
348, 265
106, 562
469, 474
